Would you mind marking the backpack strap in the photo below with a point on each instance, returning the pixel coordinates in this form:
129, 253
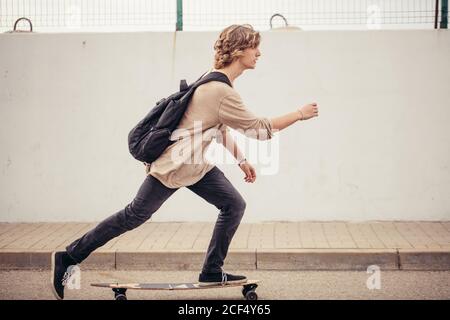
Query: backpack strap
212, 76
202, 76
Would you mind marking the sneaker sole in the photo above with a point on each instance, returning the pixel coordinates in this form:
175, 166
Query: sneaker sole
212, 284
52, 276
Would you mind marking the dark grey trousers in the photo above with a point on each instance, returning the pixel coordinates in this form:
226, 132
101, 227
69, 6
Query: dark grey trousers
214, 187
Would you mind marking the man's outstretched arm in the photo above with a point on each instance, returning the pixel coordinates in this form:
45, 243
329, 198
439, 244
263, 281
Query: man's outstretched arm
306, 112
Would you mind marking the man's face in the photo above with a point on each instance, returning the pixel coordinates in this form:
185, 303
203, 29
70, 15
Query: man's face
250, 57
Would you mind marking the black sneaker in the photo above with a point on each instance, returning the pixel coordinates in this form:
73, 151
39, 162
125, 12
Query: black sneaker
61, 262
222, 278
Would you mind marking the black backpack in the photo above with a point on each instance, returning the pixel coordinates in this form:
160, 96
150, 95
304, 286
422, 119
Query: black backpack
151, 136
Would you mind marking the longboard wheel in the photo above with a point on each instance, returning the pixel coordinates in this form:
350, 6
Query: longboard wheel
251, 295
120, 294
248, 291
121, 297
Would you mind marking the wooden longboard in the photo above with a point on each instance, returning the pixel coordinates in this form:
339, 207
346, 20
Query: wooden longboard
248, 288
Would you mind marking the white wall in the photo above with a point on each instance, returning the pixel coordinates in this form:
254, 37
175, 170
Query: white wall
379, 150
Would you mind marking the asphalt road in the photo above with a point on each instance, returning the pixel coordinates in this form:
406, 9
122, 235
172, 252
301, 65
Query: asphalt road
275, 285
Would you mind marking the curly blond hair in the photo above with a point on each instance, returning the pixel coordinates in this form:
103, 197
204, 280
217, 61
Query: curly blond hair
232, 42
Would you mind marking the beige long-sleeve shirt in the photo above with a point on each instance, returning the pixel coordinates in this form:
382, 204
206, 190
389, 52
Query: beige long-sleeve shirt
213, 108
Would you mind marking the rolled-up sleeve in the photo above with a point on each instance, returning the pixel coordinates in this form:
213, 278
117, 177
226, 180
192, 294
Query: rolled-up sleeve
233, 113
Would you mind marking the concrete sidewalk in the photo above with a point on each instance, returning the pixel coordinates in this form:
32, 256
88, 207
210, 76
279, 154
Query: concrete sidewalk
266, 246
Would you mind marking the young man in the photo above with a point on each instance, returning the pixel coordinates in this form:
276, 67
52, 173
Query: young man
215, 106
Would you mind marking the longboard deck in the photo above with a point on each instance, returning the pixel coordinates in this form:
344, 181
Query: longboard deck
170, 286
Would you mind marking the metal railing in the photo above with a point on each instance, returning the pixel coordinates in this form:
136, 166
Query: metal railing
198, 15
